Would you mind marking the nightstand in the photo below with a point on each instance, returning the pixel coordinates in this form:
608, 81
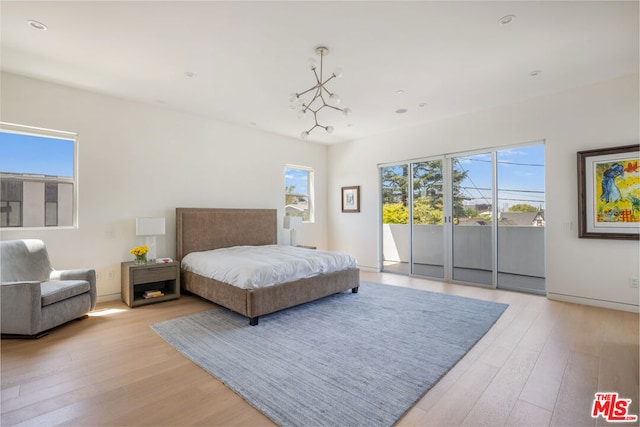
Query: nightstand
140, 278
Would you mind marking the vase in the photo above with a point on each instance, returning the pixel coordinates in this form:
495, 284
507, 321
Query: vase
141, 259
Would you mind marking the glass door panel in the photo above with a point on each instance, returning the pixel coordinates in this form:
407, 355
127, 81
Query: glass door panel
471, 206
395, 219
428, 219
521, 198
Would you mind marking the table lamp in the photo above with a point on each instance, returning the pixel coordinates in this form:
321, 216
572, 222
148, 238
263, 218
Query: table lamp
150, 227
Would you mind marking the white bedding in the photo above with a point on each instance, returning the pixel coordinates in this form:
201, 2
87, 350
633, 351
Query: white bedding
252, 267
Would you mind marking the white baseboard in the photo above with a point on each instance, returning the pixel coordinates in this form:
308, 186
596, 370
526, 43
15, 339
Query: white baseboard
594, 302
109, 297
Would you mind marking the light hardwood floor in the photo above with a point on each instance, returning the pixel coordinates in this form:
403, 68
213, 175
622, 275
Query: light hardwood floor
539, 365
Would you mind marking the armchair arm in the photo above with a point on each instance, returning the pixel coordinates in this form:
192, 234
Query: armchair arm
79, 274
21, 305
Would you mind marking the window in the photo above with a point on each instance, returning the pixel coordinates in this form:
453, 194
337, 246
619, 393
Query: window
298, 192
37, 177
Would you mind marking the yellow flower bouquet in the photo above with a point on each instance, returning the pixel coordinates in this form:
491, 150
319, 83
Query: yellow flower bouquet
141, 254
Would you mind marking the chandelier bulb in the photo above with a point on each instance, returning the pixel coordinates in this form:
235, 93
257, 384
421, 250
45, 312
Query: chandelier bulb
334, 98
302, 114
346, 111
304, 135
329, 129
312, 63
293, 97
337, 73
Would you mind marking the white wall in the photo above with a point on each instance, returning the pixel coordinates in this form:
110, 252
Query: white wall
141, 160
589, 271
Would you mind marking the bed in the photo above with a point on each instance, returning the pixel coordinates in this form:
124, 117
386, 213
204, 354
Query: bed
205, 229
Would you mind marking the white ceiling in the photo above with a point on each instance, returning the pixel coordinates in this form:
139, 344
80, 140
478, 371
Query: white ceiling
249, 57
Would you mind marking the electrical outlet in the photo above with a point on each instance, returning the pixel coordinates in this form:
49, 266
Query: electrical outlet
110, 275
633, 282
98, 275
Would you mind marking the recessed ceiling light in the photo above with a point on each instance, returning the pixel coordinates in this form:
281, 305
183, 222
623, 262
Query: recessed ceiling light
507, 19
535, 73
401, 111
422, 104
400, 91
37, 25
190, 74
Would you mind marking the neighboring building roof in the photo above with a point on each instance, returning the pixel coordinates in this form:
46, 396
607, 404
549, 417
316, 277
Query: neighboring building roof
521, 218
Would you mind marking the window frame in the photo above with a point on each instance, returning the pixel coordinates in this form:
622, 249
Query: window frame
310, 189
19, 129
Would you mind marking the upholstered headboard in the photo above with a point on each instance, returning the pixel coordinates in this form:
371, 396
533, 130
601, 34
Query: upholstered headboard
203, 229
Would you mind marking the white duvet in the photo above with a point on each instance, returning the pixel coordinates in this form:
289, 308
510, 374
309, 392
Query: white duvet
252, 267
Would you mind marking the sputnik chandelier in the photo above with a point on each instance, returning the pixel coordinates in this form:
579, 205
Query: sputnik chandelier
320, 95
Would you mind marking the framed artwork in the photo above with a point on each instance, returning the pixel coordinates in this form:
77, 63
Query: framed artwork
351, 199
609, 193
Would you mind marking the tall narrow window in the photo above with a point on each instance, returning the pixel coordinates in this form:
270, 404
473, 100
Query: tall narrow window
37, 176
298, 192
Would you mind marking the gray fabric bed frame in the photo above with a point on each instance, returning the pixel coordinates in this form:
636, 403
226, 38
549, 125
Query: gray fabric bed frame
202, 229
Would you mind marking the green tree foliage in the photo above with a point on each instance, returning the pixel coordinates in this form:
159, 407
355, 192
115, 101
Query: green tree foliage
427, 193
394, 184
424, 212
470, 212
523, 207
395, 213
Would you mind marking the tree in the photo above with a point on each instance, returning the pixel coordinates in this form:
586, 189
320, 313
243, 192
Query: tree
395, 213
394, 184
289, 199
523, 207
427, 192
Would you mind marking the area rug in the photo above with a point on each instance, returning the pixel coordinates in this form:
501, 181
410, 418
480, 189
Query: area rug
346, 360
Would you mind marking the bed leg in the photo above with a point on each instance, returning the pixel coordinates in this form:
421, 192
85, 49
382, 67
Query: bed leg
253, 321
354, 290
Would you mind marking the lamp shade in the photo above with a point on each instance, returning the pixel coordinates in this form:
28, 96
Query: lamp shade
150, 226
292, 222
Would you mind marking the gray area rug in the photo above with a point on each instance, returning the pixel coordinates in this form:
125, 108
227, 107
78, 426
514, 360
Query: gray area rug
347, 360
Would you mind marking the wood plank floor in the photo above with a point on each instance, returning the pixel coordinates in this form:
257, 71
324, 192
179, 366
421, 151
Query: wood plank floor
539, 365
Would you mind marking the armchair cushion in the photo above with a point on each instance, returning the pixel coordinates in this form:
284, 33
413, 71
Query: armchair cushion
58, 290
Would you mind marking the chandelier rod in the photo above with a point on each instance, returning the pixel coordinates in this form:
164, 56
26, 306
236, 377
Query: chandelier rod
319, 95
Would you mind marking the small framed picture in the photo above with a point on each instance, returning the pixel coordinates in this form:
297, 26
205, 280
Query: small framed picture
351, 199
609, 193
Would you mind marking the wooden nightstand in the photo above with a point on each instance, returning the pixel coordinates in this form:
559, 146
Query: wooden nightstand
137, 279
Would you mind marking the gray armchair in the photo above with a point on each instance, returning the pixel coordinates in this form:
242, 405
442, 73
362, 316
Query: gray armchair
35, 297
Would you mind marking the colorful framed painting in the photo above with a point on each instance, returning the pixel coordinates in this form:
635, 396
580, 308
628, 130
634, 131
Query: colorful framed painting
351, 199
609, 193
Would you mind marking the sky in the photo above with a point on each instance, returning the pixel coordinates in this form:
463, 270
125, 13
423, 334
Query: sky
36, 155
520, 177
297, 177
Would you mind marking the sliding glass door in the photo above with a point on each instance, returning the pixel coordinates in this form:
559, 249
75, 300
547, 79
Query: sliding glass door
520, 200
395, 219
473, 218
427, 231
472, 223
